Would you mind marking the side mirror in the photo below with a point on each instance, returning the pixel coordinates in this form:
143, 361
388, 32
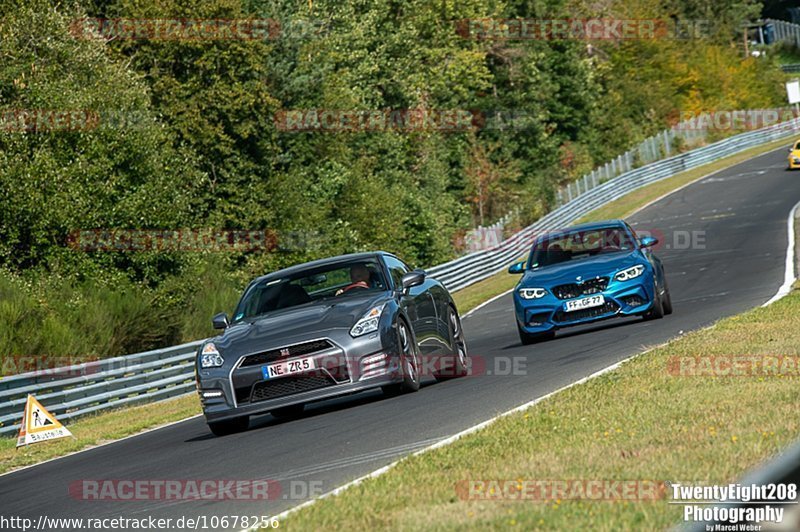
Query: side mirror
649, 241
220, 321
415, 278
518, 267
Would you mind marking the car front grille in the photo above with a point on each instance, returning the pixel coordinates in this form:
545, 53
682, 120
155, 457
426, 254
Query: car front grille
606, 308
586, 288
272, 355
273, 389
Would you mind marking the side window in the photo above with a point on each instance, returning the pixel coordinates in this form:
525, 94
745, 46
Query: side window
397, 269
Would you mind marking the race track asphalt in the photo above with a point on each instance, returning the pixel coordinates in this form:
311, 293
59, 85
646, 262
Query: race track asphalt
737, 219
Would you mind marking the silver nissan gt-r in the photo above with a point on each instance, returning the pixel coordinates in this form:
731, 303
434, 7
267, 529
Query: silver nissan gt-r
327, 328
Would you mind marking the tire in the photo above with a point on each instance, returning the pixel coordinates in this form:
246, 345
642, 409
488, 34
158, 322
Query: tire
408, 361
460, 358
528, 338
657, 312
667, 304
288, 412
229, 426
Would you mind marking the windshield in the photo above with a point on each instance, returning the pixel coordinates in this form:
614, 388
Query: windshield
342, 279
580, 244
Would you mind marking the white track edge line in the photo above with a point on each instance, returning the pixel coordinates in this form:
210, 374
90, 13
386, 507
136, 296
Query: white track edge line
789, 275
490, 300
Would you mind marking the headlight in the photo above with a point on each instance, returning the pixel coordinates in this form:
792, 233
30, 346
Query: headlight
630, 273
210, 357
368, 323
532, 293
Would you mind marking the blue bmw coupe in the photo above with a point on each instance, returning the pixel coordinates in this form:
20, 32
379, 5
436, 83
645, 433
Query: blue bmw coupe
587, 273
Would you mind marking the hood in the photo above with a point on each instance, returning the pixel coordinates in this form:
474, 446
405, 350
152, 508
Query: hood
297, 324
567, 272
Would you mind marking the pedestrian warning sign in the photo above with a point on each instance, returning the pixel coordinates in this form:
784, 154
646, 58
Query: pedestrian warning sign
39, 425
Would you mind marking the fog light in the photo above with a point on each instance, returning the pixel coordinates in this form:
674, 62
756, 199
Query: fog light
211, 394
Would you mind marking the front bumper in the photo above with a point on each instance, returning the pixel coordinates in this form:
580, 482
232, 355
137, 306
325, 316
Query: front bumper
349, 366
629, 298
794, 163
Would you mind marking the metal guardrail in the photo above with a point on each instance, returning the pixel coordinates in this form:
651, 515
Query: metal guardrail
82, 389
155, 375
791, 69
786, 31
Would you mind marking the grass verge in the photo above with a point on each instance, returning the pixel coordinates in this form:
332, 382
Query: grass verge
98, 429
638, 422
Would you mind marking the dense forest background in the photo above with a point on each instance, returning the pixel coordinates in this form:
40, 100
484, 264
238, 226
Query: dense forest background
187, 139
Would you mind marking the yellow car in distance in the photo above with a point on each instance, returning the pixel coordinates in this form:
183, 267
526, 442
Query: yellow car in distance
794, 156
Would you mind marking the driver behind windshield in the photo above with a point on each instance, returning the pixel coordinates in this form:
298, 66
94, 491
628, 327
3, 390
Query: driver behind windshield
359, 277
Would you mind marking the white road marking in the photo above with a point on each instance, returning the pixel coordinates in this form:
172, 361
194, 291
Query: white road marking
495, 298
789, 275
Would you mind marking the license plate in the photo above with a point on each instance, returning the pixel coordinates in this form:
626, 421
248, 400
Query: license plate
586, 302
287, 368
